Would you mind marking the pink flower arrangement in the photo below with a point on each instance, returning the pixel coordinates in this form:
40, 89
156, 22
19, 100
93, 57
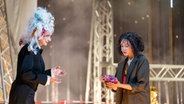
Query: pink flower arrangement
109, 78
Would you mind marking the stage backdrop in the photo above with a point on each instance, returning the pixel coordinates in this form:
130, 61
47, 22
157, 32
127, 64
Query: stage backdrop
18, 13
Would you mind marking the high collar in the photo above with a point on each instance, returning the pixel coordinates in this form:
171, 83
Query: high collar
37, 49
40, 50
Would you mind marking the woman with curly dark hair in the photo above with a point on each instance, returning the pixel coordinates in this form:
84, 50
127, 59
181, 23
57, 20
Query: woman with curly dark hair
132, 72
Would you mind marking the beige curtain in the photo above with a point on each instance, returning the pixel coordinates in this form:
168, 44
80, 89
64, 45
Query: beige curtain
18, 14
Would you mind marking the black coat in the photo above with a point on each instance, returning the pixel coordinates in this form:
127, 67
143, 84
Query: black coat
30, 73
137, 78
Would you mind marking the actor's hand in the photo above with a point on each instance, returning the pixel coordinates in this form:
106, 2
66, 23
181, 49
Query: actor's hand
55, 80
112, 86
58, 72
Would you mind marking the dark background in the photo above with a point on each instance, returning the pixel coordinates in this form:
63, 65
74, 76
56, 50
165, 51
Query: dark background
160, 26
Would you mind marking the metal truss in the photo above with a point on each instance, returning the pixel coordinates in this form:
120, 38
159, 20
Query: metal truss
161, 72
166, 72
100, 58
5, 54
162, 75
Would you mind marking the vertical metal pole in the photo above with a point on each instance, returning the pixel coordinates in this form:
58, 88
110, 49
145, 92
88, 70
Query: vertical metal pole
159, 92
150, 33
47, 93
177, 93
2, 81
171, 35
53, 93
167, 92
181, 93
89, 67
68, 88
56, 93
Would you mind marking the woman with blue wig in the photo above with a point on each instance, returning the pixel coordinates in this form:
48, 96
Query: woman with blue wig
30, 66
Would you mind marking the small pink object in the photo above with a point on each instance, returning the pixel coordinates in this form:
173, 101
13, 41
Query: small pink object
43, 32
109, 78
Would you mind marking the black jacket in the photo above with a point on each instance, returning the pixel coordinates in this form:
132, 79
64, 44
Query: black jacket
137, 78
30, 73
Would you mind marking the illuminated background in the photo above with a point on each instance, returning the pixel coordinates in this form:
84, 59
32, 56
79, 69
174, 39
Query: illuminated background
160, 26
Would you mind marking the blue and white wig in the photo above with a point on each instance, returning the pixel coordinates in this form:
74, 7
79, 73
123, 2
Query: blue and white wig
42, 22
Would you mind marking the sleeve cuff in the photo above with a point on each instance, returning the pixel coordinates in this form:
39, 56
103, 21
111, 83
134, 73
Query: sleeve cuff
52, 73
48, 81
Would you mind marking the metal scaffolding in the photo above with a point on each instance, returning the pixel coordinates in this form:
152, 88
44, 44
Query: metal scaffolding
5, 54
100, 60
169, 80
161, 72
166, 72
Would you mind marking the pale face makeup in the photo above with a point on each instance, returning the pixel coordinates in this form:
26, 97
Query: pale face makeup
126, 49
44, 39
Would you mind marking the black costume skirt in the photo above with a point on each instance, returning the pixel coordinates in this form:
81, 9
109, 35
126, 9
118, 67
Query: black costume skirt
21, 94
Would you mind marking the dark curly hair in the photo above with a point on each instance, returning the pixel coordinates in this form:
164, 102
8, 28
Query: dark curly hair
134, 39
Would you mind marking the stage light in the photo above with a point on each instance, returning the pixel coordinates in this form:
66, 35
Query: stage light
177, 36
64, 19
49, 5
147, 15
171, 3
136, 22
129, 3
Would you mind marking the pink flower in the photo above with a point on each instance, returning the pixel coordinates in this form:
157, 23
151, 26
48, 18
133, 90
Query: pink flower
109, 78
43, 32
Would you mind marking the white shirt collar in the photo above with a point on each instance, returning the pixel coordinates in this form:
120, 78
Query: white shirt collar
129, 61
